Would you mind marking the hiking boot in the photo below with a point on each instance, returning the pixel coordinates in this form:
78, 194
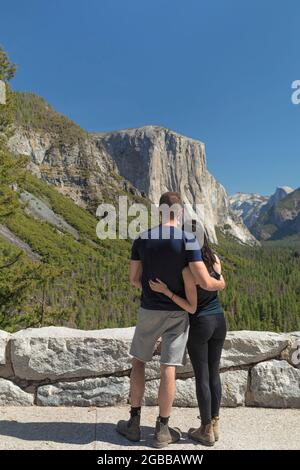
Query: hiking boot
204, 434
216, 427
164, 435
130, 429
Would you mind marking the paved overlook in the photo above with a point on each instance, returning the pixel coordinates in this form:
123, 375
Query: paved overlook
94, 428
65, 389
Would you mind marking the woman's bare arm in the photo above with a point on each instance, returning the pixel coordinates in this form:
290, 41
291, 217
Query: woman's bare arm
217, 265
204, 279
190, 303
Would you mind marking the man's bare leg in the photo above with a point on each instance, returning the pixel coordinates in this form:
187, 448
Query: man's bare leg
167, 390
137, 383
164, 435
131, 429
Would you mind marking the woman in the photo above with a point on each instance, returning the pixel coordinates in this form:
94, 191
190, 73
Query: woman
206, 339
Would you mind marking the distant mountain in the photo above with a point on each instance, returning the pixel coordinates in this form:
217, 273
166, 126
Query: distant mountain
141, 163
270, 218
248, 206
280, 220
280, 193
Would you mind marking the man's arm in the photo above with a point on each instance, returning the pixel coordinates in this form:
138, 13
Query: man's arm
135, 273
203, 278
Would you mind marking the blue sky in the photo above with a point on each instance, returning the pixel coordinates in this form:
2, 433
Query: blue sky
218, 70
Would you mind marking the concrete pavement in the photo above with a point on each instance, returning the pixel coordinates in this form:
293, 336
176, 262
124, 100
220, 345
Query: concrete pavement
94, 428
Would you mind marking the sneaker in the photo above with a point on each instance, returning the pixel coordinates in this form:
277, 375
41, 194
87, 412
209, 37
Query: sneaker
130, 429
164, 435
204, 434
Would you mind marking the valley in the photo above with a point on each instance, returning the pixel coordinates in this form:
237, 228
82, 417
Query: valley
55, 271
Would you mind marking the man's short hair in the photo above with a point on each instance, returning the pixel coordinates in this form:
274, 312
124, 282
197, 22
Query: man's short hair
170, 198
170, 205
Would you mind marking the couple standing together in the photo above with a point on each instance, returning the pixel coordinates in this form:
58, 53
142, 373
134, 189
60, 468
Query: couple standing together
176, 277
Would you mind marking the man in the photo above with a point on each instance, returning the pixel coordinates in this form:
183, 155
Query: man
162, 252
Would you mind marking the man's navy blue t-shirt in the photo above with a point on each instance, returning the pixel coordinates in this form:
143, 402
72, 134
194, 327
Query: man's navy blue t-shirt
164, 252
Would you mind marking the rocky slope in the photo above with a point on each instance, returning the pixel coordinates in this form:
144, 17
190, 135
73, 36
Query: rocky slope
91, 168
81, 170
248, 206
281, 219
280, 193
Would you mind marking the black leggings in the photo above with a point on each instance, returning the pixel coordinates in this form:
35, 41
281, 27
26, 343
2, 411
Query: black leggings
205, 343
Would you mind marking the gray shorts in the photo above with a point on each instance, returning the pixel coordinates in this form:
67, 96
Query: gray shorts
172, 327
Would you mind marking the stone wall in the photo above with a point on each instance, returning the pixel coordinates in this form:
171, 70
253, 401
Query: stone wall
64, 367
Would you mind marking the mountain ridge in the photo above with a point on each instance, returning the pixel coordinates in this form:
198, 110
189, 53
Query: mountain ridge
141, 162
270, 217
81, 281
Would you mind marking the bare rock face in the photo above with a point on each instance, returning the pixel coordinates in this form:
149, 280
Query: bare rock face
103, 391
274, 384
156, 160
2, 92
279, 194
12, 395
40, 210
81, 169
145, 161
248, 206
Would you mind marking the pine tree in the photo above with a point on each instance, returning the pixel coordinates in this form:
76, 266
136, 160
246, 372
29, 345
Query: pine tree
11, 167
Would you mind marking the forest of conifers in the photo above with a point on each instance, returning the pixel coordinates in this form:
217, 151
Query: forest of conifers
82, 281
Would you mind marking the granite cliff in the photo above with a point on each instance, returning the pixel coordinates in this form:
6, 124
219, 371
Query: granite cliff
155, 159
142, 162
